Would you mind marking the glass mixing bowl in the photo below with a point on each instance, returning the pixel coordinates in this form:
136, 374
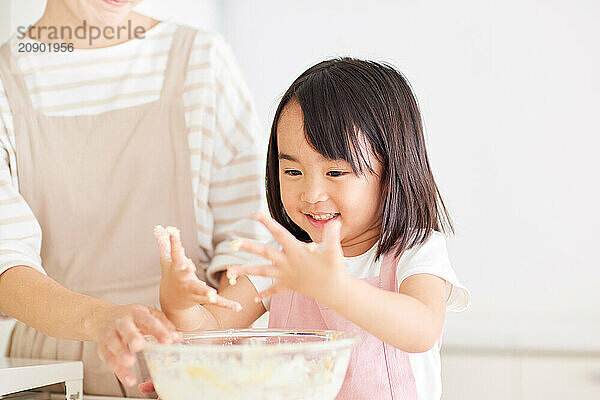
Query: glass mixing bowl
251, 364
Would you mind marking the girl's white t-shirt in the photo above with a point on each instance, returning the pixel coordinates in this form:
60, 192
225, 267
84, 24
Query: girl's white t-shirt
430, 257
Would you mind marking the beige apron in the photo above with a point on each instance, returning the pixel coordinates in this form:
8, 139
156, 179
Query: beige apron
98, 184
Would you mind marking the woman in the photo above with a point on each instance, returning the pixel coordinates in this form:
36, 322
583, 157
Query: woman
99, 144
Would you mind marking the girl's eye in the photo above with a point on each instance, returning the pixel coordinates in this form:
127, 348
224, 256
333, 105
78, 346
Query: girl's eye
336, 173
292, 172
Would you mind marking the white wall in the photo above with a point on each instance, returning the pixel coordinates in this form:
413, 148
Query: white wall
509, 92
197, 13
14, 13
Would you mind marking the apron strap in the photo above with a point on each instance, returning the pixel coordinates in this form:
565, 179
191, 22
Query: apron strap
179, 55
12, 79
387, 275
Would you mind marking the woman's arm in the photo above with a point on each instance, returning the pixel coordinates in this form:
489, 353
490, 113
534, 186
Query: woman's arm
39, 301
42, 303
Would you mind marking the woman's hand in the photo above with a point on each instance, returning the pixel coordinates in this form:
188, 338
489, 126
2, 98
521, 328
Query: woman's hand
180, 287
308, 268
120, 333
147, 387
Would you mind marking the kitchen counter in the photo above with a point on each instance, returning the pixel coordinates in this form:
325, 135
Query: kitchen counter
492, 374
19, 374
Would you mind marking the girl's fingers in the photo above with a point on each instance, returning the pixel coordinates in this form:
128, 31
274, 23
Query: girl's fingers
189, 266
186, 271
268, 270
259, 249
312, 247
268, 292
282, 235
226, 303
218, 301
200, 288
202, 293
331, 236
177, 250
164, 245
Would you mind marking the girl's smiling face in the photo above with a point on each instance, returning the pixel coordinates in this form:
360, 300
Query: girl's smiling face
315, 190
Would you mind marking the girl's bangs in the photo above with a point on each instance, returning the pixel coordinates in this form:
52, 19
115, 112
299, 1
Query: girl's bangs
331, 124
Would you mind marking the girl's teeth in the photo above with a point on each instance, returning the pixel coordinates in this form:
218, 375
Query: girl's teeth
322, 217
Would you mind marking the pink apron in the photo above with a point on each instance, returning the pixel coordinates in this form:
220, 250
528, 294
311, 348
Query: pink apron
377, 370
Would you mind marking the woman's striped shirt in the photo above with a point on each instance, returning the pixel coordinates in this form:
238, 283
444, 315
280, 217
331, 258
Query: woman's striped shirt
225, 138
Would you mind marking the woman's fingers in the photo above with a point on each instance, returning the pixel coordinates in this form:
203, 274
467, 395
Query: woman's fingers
163, 318
150, 325
121, 371
117, 347
111, 360
130, 334
268, 270
121, 334
146, 387
125, 376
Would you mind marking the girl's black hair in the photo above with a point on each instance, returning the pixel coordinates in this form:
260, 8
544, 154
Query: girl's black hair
345, 101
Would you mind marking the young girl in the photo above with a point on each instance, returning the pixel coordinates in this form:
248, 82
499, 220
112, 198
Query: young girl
357, 217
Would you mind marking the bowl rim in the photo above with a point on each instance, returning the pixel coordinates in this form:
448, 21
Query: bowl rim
338, 340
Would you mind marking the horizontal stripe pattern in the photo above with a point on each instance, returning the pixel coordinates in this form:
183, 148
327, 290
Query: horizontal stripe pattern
224, 136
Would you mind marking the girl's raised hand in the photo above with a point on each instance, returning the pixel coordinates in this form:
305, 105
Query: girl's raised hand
180, 287
309, 268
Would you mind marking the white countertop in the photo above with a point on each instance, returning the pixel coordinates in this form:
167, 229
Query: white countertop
18, 374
